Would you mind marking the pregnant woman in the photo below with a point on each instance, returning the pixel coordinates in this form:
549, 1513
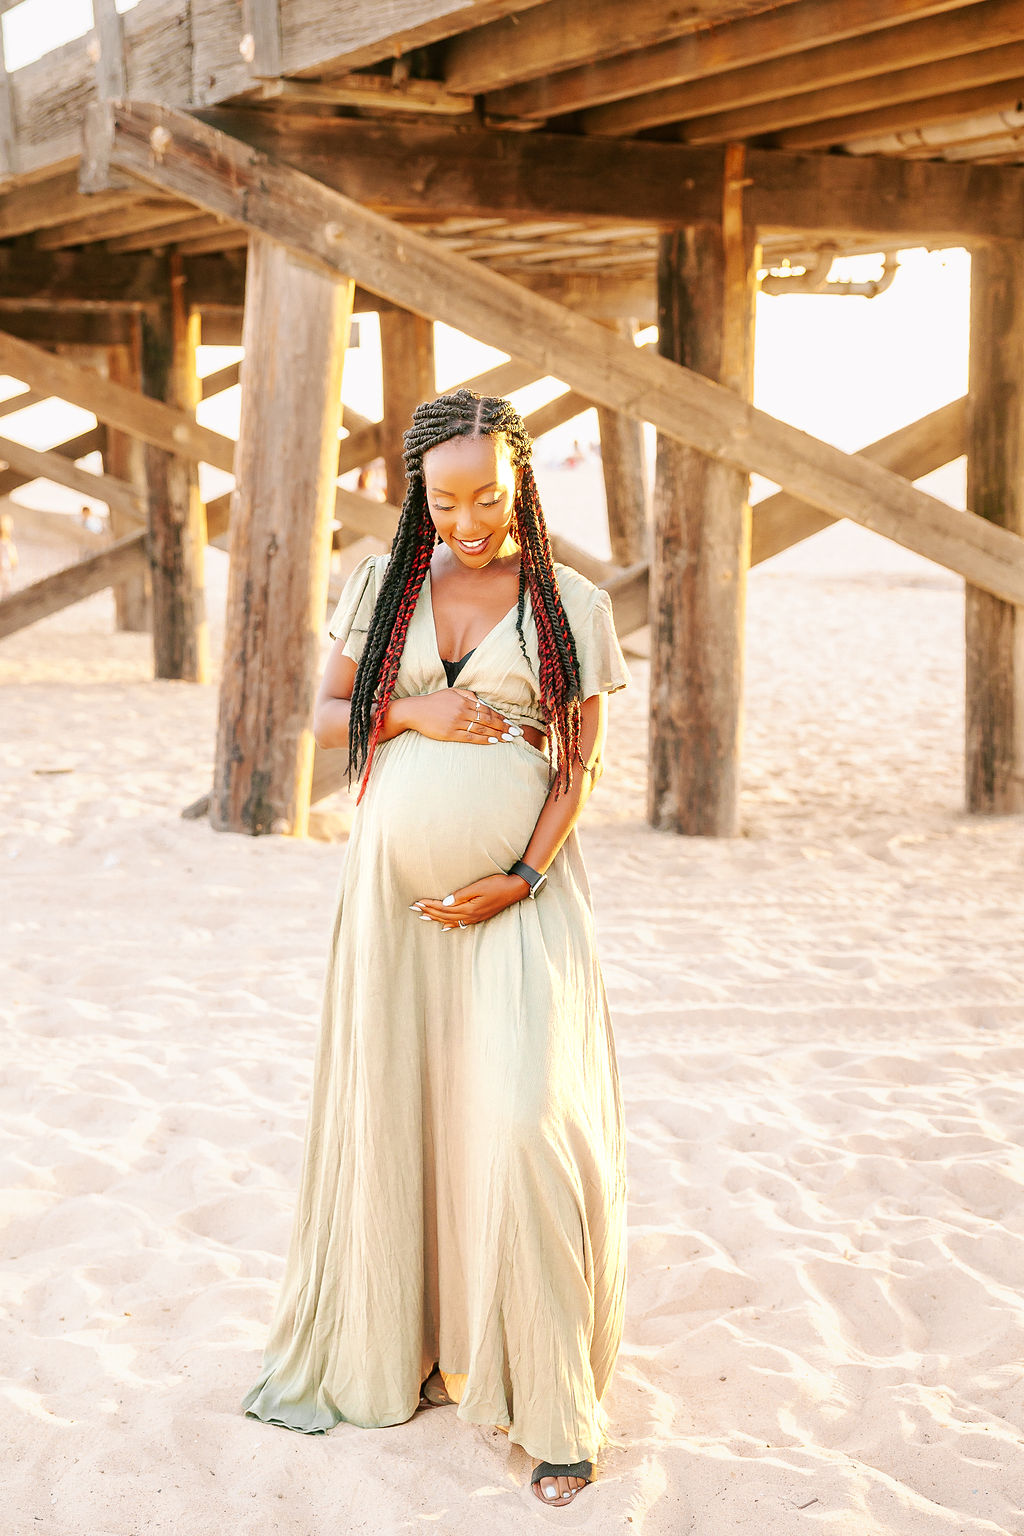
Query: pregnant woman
460, 1231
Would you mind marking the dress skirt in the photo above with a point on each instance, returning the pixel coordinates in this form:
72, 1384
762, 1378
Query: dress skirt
463, 1189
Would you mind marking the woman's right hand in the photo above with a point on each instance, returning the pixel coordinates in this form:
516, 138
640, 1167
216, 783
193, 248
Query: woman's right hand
456, 714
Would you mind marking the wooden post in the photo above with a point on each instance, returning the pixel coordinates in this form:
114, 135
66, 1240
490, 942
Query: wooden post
176, 518
124, 457
407, 367
994, 630
294, 335
706, 286
624, 464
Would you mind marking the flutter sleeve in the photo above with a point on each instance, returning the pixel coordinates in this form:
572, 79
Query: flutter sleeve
351, 618
602, 665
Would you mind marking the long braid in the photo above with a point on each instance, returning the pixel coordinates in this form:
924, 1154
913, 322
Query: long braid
466, 414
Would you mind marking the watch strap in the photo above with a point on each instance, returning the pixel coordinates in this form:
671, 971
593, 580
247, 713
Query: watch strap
533, 877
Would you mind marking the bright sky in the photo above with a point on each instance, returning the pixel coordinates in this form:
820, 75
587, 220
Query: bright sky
848, 369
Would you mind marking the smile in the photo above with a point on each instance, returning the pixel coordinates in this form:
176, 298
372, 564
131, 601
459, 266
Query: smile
473, 548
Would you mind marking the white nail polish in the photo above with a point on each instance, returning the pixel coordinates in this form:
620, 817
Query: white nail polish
516, 730
492, 740
551, 1493
426, 917
449, 901
506, 736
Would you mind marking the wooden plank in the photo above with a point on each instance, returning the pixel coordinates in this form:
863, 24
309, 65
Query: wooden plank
994, 630
296, 328
175, 517
31, 279
962, 30
559, 176
145, 214
339, 236
260, 45
768, 34
920, 113
43, 204
372, 91
71, 585
80, 327
156, 423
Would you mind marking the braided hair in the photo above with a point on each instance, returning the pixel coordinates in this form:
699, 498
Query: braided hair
465, 414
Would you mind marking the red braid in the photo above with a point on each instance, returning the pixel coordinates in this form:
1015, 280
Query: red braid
393, 654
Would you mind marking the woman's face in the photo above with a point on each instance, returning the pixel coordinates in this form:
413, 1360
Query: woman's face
471, 487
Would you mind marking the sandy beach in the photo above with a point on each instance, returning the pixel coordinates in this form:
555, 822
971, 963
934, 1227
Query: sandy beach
820, 1029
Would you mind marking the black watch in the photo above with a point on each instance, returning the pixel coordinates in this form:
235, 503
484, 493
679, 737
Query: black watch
534, 879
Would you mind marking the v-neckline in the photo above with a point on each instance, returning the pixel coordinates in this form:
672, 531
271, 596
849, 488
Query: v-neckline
469, 657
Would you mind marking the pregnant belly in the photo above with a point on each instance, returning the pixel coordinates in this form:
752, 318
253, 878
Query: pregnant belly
442, 814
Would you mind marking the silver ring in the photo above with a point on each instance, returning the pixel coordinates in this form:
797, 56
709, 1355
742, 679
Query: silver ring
461, 923
470, 726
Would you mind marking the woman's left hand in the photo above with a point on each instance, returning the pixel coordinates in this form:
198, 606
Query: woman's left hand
477, 902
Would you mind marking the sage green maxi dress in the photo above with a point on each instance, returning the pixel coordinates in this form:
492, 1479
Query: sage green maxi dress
463, 1190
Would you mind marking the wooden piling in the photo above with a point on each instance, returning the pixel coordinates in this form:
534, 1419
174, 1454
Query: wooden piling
624, 465
407, 370
994, 630
294, 335
706, 287
176, 519
124, 457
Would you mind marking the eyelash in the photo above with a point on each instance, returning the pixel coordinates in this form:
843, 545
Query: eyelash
494, 503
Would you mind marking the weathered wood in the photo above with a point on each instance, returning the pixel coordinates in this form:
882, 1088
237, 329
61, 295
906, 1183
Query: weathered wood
31, 279
624, 466
71, 585
45, 464
146, 213
77, 447
521, 48
339, 235
156, 423
296, 329
175, 517
260, 46
111, 75
958, 31
921, 113
319, 39
79, 327
407, 368
561, 176
750, 40
701, 546
124, 456
963, 76
994, 630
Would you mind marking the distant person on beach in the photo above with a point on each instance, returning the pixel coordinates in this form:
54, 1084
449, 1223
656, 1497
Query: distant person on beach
460, 1229
8, 553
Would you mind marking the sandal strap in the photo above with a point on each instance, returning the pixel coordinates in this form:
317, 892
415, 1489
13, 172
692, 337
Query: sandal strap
571, 1469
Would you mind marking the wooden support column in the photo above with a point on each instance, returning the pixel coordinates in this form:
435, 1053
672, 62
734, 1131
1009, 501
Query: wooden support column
624, 465
176, 518
124, 458
295, 333
407, 367
707, 280
994, 630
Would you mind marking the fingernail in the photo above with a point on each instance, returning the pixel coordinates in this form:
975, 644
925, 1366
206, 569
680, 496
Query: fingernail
493, 739
426, 917
507, 736
516, 730
449, 901
414, 906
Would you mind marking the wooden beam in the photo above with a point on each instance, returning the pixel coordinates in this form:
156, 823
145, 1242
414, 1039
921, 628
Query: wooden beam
78, 327
43, 204
990, 73
922, 111
77, 447
994, 630
71, 585
68, 280
561, 176
961, 30
156, 423
376, 92
521, 48
175, 517
296, 328
339, 236
147, 213
323, 39
40, 464
111, 75
634, 70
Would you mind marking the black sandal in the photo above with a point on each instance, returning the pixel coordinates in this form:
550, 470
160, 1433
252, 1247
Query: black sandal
582, 1469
